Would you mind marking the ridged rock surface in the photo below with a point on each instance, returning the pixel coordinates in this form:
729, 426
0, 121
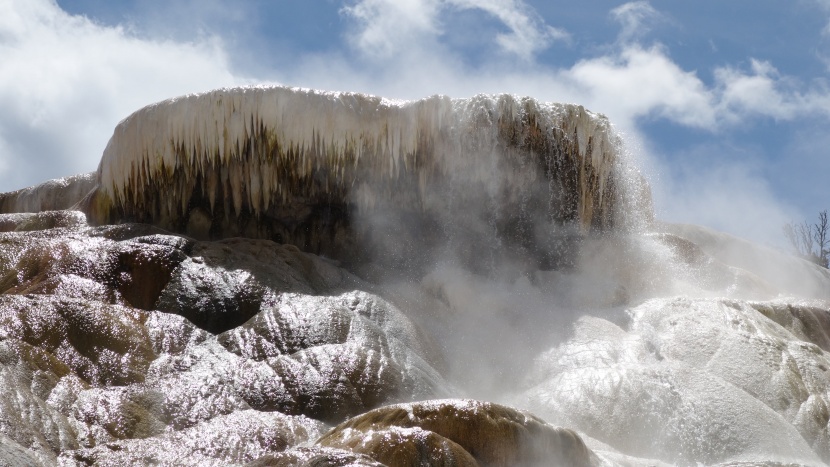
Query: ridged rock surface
93, 372
127, 344
458, 432
702, 380
343, 174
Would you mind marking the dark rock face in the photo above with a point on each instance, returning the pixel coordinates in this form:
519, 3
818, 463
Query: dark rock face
73, 262
809, 319
223, 284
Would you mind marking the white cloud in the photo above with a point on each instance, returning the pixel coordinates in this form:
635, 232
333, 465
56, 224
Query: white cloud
629, 82
634, 18
385, 27
756, 92
66, 81
389, 27
765, 92
528, 32
641, 82
644, 82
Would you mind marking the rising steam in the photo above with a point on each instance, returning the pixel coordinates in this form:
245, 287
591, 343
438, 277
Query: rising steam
297, 166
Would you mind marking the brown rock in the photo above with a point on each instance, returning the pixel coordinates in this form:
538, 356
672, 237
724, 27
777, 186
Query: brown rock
314, 456
458, 432
103, 344
808, 319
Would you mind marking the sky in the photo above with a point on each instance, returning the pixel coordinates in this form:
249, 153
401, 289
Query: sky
725, 106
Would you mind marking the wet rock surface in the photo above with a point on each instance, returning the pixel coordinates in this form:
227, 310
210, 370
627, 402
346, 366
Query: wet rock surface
124, 344
315, 456
223, 284
703, 380
507, 252
458, 432
237, 438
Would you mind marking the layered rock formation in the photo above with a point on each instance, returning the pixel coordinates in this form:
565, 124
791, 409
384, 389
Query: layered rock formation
63, 193
529, 278
339, 174
99, 363
449, 432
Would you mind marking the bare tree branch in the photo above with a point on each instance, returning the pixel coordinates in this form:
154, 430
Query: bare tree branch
800, 237
811, 242
806, 238
820, 235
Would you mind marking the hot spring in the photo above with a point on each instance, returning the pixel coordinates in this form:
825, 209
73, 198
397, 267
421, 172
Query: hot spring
278, 276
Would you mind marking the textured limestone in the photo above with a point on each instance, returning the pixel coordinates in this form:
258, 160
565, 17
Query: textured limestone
92, 372
124, 343
341, 174
360, 178
233, 439
702, 380
53, 195
458, 432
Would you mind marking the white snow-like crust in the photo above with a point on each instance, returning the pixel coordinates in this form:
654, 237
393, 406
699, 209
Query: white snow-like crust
258, 141
58, 194
691, 380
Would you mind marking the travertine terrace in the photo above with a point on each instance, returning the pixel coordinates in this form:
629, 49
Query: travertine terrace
299, 166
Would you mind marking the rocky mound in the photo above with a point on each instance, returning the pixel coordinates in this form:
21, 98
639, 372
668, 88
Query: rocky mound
361, 178
502, 236
458, 432
279, 344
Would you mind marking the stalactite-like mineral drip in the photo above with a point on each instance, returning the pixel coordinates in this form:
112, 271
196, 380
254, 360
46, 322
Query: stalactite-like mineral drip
301, 166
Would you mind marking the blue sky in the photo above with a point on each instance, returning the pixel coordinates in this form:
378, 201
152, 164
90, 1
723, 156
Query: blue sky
726, 105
